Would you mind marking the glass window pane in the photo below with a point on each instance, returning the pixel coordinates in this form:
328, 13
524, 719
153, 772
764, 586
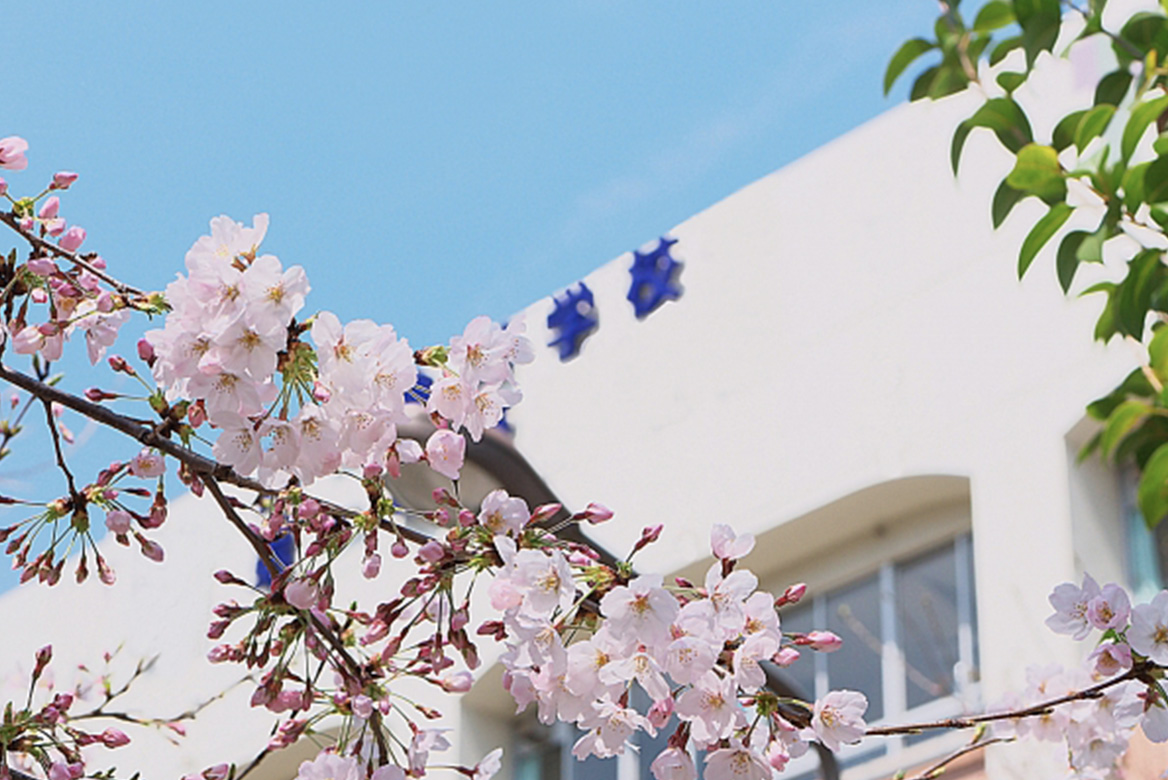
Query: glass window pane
801, 674
926, 617
854, 613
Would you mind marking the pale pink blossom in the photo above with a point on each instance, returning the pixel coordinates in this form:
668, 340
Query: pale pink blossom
147, 464
1110, 609
330, 766
500, 513
727, 545
712, 709
838, 718
445, 451
12, 151
673, 763
1070, 608
1148, 634
641, 610
736, 762
1111, 658
489, 765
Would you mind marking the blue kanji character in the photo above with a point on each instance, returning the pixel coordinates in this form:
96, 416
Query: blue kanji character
573, 317
654, 278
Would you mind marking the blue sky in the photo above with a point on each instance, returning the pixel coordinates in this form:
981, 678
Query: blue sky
426, 162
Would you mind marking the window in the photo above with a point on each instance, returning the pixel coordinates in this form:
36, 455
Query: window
910, 643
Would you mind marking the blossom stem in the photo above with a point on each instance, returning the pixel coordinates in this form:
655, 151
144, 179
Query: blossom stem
1095, 691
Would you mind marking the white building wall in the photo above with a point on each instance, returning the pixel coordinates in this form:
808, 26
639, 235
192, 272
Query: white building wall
848, 321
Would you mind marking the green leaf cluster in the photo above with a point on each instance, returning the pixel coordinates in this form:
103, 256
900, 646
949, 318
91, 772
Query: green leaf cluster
1114, 150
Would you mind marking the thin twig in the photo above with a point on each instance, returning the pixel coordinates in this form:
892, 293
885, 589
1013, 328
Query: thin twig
11, 221
262, 548
936, 768
146, 435
1094, 692
73, 494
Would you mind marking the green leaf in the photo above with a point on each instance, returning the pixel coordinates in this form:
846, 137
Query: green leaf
960, 133
1003, 48
1105, 325
1133, 295
1091, 250
1040, 21
1156, 181
1152, 494
1010, 81
1133, 186
1037, 171
1067, 261
904, 57
1126, 416
1005, 198
1042, 232
992, 16
1158, 353
920, 87
1004, 117
1147, 32
1141, 116
1113, 87
1160, 145
1092, 125
1063, 134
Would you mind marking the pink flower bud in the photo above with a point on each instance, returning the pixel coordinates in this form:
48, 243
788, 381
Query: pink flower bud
113, 738
824, 641
399, 549
466, 518
431, 551
151, 549
63, 179
362, 706
3, 187
456, 682
785, 657
226, 577
792, 595
50, 209
597, 513
372, 566
42, 266
372, 470
145, 351
219, 654
73, 238
43, 656
659, 713
118, 521
302, 593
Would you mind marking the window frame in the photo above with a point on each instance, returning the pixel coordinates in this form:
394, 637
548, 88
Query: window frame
893, 672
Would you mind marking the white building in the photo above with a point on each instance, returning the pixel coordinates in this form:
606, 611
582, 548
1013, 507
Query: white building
852, 373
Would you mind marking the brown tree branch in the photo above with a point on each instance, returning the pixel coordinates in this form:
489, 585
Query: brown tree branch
1094, 692
80, 261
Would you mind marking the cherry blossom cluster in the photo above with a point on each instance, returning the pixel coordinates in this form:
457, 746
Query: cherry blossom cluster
696, 652
57, 721
78, 296
233, 347
1124, 669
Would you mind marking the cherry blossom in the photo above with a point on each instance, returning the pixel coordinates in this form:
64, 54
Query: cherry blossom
1070, 605
1148, 634
838, 718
